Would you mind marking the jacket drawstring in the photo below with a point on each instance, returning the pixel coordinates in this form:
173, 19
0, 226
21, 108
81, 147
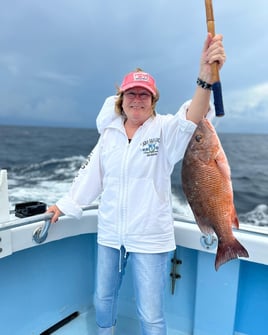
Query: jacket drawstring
122, 252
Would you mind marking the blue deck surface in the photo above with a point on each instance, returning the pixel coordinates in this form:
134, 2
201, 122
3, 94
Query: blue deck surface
84, 324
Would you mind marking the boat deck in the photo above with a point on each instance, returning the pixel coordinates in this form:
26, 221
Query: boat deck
85, 324
44, 284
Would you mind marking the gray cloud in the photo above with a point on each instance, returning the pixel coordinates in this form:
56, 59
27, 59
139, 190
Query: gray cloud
59, 59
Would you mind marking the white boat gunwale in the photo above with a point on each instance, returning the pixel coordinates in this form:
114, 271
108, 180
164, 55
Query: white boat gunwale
17, 234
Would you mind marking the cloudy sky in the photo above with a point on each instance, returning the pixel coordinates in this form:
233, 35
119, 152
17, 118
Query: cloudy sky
59, 59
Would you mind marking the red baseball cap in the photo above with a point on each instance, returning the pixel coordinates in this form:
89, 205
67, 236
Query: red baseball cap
139, 79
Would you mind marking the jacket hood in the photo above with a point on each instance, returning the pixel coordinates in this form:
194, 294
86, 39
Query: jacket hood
107, 114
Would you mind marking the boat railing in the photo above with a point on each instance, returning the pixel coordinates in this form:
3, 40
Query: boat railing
41, 232
21, 233
243, 227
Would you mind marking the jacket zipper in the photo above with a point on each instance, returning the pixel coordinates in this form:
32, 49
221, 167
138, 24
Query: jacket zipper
123, 197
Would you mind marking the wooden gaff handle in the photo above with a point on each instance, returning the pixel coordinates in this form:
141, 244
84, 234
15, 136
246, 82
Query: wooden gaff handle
216, 84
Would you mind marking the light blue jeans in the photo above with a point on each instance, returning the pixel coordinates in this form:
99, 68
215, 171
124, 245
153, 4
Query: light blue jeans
149, 277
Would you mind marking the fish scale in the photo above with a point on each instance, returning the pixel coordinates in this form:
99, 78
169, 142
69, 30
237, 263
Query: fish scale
206, 182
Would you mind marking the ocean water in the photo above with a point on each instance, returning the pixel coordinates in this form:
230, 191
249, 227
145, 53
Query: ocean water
42, 162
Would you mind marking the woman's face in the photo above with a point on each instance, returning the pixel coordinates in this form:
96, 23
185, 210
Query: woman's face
137, 105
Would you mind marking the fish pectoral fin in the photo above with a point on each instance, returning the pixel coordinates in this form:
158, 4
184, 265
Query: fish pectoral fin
222, 163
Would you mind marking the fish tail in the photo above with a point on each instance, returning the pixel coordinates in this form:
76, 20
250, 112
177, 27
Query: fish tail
229, 250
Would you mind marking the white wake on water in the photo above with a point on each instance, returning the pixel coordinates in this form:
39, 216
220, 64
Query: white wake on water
50, 180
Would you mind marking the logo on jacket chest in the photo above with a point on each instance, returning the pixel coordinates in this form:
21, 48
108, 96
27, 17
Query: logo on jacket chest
150, 147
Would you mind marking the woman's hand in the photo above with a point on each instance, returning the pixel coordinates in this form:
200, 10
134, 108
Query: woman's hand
213, 51
54, 209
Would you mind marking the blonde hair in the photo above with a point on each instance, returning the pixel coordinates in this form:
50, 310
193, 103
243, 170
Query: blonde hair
120, 94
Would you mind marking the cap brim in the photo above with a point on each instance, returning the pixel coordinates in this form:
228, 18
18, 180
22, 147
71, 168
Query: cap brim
132, 85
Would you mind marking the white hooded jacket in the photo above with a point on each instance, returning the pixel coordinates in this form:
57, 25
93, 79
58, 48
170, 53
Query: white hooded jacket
133, 180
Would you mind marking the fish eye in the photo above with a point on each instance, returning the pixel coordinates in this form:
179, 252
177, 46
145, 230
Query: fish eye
198, 138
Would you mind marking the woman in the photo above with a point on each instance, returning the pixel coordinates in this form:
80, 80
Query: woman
130, 167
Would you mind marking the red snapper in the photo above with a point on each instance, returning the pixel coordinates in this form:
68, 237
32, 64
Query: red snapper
206, 182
